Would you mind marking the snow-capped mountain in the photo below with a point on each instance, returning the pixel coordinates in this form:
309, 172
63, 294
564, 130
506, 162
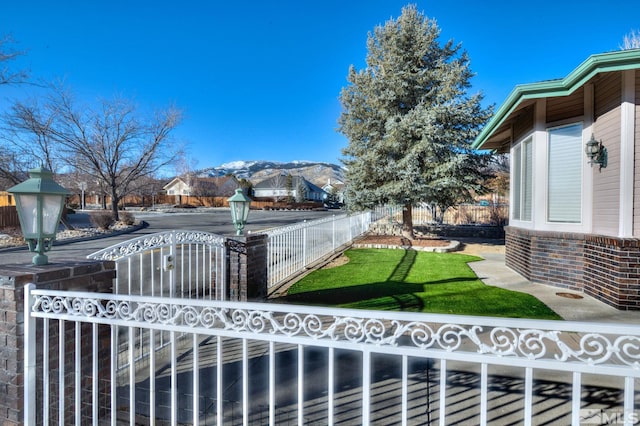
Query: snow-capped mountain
317, 173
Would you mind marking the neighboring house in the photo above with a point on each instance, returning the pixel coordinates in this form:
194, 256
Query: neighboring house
194, 186
573, 223
335, 188
278, 188
177, 187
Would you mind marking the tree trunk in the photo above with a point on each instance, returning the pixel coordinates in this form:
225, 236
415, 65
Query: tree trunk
407, 222
114, 206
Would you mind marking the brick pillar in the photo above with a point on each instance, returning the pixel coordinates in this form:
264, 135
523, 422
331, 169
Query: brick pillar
247, 268
80, 276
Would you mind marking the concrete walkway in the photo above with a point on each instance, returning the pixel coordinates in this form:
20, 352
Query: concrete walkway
493, 271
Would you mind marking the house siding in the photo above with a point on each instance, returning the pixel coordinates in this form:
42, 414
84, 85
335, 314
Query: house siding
524, 125
606, 182
565, 107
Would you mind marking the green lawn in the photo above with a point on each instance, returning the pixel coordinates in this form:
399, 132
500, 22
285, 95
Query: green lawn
415, 281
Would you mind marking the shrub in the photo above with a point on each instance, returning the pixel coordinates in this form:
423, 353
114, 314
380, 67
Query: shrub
463, 216
127, 218
102, 219
498, 215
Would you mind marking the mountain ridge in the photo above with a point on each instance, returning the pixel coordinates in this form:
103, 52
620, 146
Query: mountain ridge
317, 172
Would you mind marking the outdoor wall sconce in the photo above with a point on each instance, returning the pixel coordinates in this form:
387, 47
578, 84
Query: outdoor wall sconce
596, 152
239, 204
39, 201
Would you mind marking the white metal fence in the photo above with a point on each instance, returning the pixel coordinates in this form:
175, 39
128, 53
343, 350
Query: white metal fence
178, 264
293, 248
248, 363
171, 264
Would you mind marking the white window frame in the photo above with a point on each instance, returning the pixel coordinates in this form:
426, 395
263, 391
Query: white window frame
572, 156
522, 185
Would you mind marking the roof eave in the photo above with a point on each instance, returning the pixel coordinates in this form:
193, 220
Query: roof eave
595, 64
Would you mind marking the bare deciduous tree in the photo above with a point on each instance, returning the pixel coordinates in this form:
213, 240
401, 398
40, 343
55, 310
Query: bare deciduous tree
7, 54
114, 142
26, 131
278, 183
147, 187
631, 40
12, 166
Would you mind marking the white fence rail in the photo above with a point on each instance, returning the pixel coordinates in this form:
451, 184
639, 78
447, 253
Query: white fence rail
249, 363
293, 248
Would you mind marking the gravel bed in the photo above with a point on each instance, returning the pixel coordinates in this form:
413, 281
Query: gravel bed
12, 237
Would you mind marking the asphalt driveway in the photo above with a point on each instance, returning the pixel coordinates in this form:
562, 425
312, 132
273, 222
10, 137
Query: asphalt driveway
217, 221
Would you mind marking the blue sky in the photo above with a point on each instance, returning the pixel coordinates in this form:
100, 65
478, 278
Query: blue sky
260, 80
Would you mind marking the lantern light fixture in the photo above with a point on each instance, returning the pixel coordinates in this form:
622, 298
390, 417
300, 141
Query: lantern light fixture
39, 201
596, 152
239, 204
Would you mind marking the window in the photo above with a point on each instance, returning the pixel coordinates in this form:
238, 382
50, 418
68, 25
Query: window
565, 174
523, 180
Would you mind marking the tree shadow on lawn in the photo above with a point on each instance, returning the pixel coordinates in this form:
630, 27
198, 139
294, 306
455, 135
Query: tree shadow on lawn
458, 294
403, 268
393, 293
373, 295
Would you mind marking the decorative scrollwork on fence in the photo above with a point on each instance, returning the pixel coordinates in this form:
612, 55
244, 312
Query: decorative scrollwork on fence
236, 246
153, 241
531, 344
199, 237
134, 246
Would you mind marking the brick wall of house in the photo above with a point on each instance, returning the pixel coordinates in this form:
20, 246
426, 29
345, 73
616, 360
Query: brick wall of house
606, 268
558, 259
612, 271
554, 258
518, 251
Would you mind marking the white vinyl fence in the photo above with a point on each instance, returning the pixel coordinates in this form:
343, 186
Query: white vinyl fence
293, 248
250, 363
